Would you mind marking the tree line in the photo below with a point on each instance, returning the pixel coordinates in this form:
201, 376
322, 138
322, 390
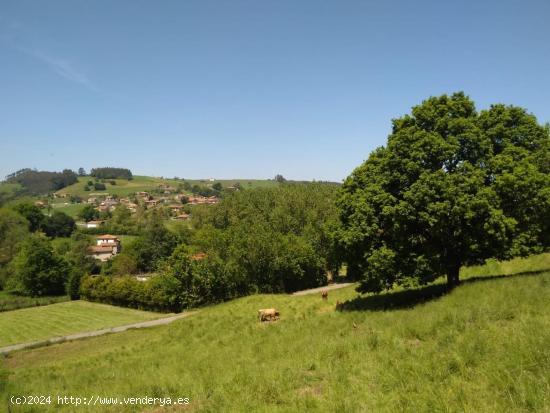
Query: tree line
111, 173
42, 182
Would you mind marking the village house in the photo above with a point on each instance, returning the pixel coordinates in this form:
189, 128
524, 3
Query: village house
132, 207
41, 204
106, 247
201, 200
94, 224
181, 217
109, 204
175, 208
143, 195
152, 203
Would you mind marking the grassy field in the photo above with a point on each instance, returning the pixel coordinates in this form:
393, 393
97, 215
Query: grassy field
123, 187
13, 302
484, 347
40, 323
70, 209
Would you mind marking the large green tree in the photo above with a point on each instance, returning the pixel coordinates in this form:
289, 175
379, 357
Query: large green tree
452, 187
38, 270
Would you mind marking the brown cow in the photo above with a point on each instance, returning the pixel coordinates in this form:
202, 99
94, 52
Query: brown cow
268, 314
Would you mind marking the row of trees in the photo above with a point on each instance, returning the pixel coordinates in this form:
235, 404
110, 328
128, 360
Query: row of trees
42, 182
111, 173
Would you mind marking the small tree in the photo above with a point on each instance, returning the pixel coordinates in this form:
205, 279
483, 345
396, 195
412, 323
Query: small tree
451, 188
81, 172
88, 213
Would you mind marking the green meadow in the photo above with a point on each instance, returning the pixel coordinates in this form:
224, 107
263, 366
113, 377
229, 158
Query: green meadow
483, 347
40, 323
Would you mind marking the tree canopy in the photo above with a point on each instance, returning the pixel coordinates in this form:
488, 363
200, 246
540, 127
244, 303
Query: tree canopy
38, 270
452, 187
41, 182
111, 173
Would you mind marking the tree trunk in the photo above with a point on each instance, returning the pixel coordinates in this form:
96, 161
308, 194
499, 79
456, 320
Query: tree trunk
453, 276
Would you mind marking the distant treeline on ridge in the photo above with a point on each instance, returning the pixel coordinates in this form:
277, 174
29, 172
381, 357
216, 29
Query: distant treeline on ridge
111, 173
41, 182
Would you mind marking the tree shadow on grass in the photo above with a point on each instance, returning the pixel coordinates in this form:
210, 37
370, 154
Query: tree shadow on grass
395, 300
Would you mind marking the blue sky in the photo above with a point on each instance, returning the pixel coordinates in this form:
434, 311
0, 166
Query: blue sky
249, 89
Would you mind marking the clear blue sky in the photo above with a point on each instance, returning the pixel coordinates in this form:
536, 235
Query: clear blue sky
200, 88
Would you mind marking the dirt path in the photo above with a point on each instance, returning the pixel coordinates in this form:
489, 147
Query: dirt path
321, 289
77, 336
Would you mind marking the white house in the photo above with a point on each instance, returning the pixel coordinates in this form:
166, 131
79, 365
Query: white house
106, 247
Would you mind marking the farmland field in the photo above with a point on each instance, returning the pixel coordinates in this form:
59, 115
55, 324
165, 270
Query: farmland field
484, 347
44, 322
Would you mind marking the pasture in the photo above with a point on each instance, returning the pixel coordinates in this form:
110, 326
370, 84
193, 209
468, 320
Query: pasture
39, 323
483, 347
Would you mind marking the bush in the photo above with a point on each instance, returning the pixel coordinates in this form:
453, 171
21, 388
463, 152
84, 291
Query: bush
158, 294
98, 186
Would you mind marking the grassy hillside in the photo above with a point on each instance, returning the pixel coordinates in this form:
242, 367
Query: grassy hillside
40, 323
484, 347
124, 187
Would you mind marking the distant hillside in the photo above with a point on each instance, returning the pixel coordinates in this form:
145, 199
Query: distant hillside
124, 187
40, 183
